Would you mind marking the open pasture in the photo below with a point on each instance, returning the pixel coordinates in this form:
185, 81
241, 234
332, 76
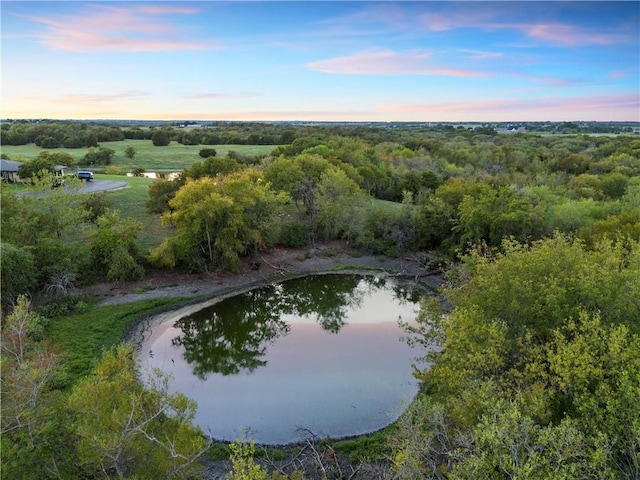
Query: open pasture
175, 156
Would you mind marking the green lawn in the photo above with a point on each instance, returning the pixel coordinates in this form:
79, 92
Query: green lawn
175, 156
130, 201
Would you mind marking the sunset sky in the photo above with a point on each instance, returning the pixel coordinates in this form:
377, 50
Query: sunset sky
324, 61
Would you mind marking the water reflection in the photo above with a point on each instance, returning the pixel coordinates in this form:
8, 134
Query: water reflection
232, 336
328, 297
321, 352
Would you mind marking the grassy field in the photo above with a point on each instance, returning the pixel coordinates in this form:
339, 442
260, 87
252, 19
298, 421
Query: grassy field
130, 201
175, 156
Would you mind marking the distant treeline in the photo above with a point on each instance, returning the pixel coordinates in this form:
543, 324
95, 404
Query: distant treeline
76, 134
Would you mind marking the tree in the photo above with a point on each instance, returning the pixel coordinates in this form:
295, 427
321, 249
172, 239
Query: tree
101, 156
340, 204
36, 168
128, 428
161, 192
113, 247
211, 167
35, 434
218, 220
160, 138
537, 369
207, 152
52, 226
130, 152
96, 205
18, 273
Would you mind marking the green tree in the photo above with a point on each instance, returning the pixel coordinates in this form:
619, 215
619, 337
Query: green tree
36, 168
126, 428
207, 152
211, 167
52, 226
160, 138
537, 369
18, 273
340, 204
101, 156
35, 435
96, 205
113, 247
218, 220
161, 192
130, 152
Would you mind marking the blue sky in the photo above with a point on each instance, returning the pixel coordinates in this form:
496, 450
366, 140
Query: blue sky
339, 61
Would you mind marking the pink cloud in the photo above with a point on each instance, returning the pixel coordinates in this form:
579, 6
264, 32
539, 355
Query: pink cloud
567, 35
163, 10
555, 33
109, 28
387, 62
220, 96
618, 75
605, 107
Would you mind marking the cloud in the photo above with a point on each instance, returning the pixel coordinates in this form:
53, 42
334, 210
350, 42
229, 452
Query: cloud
220, 95
604, 107
115, 29
489, 19
165, 10
618, 75
481, 55
387, 62
567, 35
86, 98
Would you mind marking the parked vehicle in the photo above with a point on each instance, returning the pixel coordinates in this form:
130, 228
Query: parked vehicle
84, 175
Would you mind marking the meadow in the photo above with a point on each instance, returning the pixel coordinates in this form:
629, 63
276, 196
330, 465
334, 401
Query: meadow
173, 157
131, 203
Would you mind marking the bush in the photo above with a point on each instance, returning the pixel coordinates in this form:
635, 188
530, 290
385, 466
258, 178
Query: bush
60, 306
207, 152
18, 273
96, 205
160, 138
293, 234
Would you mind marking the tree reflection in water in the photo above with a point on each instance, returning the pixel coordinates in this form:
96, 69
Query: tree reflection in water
231, 336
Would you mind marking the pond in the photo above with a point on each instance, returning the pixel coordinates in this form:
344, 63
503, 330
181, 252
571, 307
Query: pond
319, 354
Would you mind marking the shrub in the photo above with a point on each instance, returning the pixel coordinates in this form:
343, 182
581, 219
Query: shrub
207, 152
293, 234
18, 273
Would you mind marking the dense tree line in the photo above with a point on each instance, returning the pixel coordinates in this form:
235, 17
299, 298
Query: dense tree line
450, 190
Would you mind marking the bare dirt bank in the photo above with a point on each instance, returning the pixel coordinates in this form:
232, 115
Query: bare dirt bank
280, 264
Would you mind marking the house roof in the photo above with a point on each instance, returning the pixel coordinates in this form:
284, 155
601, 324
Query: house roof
9, 165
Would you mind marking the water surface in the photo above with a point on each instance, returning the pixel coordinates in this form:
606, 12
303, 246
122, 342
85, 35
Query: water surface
321, 354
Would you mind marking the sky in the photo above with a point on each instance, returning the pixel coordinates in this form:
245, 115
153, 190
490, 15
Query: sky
427, 61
